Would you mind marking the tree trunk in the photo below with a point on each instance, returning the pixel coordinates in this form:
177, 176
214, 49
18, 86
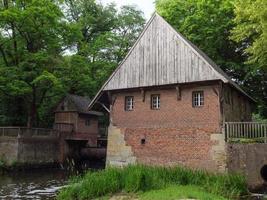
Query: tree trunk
32, 111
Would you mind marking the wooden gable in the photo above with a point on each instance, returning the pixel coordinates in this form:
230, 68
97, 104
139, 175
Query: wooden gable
161, 56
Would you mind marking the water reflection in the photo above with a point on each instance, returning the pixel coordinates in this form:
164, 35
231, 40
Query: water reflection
34, 184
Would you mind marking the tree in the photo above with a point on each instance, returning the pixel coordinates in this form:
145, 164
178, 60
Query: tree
251, 31
50, 48
32, 38
105, 37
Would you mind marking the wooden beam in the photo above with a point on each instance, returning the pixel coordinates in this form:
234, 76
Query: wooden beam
178, 92
143, 94
215, 91
103, 105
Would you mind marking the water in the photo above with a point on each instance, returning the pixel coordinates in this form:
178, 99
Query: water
34, 184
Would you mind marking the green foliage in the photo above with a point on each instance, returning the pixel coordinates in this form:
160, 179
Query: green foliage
251, 31
145, 178
50, 48
31, 40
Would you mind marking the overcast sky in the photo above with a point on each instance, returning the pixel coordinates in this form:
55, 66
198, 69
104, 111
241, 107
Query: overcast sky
147, 6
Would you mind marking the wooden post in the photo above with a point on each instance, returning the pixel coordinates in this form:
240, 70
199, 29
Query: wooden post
265, 133
178, 92
143, 94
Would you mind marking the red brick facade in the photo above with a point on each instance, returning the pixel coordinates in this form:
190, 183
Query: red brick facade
177, 133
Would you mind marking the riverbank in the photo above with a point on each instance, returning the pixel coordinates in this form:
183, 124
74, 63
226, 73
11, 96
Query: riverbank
144, 179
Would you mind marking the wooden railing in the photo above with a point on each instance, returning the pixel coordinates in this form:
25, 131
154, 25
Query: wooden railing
27, 132
64, 127
246, 130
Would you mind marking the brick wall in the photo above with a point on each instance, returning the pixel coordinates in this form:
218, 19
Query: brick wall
80, 126
176, 134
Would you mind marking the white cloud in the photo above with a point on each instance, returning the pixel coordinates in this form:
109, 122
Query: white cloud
147, 6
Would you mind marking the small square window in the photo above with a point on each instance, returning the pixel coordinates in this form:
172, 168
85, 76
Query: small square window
87, 122
129, 103
198, 99
155, 101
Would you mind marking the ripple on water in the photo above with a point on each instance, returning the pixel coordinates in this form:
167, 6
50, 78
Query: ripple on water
41, 184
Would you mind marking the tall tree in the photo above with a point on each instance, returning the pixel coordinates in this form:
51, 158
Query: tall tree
32, 38
106, 35
251, 31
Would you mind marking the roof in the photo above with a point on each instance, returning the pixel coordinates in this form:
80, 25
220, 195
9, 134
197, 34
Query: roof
81, 103
163, 56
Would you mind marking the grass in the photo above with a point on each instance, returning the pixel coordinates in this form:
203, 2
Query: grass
139, 178
179, 192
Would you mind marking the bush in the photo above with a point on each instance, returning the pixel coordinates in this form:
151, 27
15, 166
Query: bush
143, 178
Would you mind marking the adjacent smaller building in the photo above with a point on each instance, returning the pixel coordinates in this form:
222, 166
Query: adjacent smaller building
71, 115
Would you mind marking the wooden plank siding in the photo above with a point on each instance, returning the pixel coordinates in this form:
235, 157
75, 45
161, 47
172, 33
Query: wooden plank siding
161, 56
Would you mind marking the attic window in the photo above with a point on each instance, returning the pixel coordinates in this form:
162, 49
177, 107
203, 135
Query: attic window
198, 98
129, 101
155, 102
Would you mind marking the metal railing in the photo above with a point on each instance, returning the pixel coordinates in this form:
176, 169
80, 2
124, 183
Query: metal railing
27, 132
246, 130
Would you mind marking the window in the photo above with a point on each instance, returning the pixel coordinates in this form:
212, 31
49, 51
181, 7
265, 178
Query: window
87, 122
155, 101
129, 101
198, 99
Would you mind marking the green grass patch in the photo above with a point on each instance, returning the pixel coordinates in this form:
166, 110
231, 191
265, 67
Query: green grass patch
179, 192
139, 178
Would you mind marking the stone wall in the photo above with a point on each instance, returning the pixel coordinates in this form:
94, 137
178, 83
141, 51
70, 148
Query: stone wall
177, 133
247, 159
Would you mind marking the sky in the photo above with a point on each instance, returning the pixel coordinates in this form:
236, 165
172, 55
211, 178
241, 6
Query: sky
147, 6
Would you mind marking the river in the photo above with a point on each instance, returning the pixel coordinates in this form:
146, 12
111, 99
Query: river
34, 184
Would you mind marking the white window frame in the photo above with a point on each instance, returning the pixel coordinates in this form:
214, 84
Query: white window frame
198, 98
129, 103
155, 101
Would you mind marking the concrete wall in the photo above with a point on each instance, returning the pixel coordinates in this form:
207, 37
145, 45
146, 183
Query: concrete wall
38, 150
247, 159
29, 151
8, 150
177, 133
